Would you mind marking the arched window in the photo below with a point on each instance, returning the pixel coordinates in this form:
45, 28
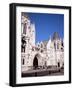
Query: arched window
55, 46
23, 61
23, 48
24, 28
23, 40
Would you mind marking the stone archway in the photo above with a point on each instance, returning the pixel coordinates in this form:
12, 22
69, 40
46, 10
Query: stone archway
35, 62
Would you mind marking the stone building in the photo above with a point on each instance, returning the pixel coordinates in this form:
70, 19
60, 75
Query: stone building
43, 54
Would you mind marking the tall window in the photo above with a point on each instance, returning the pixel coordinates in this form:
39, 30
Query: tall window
23, 61
55, 46
23, 40
24, 28
62, 44
23, 48
23, 44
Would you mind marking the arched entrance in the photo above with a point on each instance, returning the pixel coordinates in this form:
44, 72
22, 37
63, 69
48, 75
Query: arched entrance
58, 64
35, 62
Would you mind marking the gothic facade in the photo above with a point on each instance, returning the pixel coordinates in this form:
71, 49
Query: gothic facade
43, 54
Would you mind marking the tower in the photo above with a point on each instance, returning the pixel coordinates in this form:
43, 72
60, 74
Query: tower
33, 34
57, 41
27, 40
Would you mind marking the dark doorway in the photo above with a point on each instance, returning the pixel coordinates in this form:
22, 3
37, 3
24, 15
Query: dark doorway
35, 63
58, 64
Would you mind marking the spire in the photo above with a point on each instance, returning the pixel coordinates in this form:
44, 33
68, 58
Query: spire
49, 43
50, 37
55, 36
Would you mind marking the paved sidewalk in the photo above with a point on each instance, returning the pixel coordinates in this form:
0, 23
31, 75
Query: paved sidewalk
43, 72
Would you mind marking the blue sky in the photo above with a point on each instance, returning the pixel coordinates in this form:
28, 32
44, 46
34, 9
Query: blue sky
47, 24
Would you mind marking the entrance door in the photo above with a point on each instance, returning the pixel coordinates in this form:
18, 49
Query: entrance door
58, 64
35, 63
